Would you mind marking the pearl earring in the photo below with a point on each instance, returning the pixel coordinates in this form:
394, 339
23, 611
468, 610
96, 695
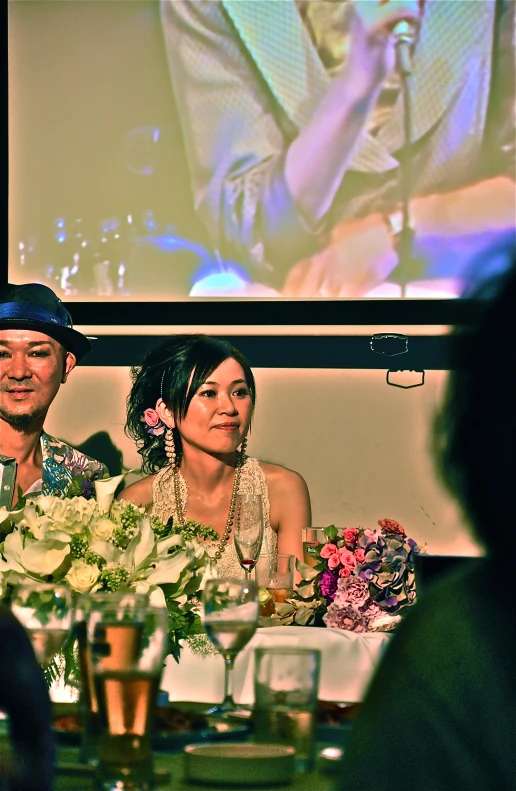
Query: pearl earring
170, 447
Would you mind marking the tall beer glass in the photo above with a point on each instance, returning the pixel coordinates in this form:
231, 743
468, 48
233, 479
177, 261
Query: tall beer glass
128, 649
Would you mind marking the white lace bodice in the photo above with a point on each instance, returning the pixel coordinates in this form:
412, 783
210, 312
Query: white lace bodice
252, 480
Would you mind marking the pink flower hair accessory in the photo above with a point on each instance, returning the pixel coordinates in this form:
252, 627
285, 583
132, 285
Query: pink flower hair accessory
153, 422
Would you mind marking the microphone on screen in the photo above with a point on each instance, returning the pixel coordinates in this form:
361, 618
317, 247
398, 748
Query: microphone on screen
404, 34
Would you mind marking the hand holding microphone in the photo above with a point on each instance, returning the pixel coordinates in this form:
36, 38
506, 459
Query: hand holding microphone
382, 34
404, 34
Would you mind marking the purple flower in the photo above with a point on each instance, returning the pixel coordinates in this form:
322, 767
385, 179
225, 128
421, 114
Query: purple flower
328, 584
345, 618
352, 591
390, 601
88, 488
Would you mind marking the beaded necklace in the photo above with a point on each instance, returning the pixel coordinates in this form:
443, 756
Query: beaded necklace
231, 513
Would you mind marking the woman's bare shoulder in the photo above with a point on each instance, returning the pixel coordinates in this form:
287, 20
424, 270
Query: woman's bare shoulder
282, 477
139, 492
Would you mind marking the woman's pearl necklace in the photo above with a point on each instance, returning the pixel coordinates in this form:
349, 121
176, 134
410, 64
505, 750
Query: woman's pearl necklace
231, 513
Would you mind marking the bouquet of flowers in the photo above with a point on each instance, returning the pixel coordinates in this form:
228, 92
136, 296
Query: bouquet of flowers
107, 545
361, 581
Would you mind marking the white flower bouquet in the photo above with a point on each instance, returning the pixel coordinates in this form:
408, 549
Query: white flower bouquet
107, 546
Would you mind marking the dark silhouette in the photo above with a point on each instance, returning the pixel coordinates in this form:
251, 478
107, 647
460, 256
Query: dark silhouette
439, 713
24, 698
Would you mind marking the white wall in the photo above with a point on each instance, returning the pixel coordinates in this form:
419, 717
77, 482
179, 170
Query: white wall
362, 446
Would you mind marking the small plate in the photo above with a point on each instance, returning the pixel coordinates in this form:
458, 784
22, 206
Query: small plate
233, 763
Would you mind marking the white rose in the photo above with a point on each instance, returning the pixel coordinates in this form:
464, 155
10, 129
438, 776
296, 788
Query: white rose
82, 576
102, 529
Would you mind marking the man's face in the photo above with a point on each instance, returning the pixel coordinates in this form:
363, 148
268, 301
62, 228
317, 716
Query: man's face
32, 367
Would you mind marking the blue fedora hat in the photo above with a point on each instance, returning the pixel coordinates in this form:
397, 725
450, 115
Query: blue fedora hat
33, 306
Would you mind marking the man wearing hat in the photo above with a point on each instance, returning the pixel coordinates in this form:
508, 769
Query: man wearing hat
38, 350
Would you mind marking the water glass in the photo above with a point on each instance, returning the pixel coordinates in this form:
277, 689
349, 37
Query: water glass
128, 648
45, 610
286, 687
230, 618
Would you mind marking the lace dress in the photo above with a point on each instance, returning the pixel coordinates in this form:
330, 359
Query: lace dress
252, 480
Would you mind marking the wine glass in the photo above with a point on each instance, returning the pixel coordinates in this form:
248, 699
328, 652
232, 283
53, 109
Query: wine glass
248, 530
230, 618
45, 610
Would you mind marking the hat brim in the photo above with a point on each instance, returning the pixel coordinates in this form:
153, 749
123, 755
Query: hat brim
72, 340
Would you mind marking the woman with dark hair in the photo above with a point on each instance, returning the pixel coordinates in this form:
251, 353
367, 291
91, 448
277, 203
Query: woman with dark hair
189, 411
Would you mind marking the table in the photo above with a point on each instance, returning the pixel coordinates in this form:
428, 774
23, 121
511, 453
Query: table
72, 776
174, 780
348, 660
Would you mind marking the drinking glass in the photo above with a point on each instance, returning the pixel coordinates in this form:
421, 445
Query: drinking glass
45, 610
248, 530
312, 537
230, 617
128, 648
286, 685
88, 704
278, 577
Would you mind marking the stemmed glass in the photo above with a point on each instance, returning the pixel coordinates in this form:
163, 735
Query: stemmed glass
45, 610
248, 530
230, 618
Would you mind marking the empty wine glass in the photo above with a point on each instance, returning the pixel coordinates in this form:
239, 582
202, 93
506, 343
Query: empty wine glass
45, 610
248, 530
230, 617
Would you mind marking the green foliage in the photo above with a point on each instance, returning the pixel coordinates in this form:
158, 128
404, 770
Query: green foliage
22, 500
78, 546
120, 538
130, 520
161, 529
46, 605
193, 530
52, 673
182, 623
92, 559
113, 578
75, 488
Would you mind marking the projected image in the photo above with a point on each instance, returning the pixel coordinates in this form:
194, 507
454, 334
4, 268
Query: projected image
280, 148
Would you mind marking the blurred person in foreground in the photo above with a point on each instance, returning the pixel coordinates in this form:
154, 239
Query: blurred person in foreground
28, 765
38, 350
440, 712
293, 118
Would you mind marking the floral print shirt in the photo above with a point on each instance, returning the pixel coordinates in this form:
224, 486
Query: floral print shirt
61, 463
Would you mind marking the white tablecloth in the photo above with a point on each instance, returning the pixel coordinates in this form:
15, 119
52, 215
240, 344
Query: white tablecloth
347, 663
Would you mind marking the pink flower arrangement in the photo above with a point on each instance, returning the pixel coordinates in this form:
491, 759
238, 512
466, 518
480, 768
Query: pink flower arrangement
360, 575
